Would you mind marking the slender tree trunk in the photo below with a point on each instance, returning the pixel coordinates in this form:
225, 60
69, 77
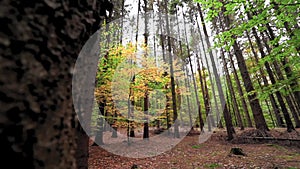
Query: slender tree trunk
270, 113
259, 119
114, 125
230, 87
207, 98
99, 133
286, 115
174, 105
294, 84
293, 110
122, 20
210, 78
227, 117
187, 97
101, 114
146, 96
131, 102
290, 33
204, 96
265, 81
186, 72
162, 40
167, 109
146, 123
240, 91
292, 105
260, 122
193, 78
231, 90
260, 85
203, 89
137, 24
229, 103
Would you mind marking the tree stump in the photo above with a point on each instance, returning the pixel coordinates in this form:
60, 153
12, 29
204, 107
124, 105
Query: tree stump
134, 166
237, 151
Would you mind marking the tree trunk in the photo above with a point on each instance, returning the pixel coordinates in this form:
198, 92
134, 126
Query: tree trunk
99, 133
130, 131
193, 78
259, 119
146, 96
39, 47
227, 117
241, 93
174, 104
187, 86
186, 72
279, 119
231, 90
210, 77
286, 115
146, 123
203, 86
204, 94
294, 84
114, 125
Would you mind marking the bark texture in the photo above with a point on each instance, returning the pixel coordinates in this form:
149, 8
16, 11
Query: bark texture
39, 44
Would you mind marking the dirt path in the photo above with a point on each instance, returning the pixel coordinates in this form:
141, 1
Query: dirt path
214, 153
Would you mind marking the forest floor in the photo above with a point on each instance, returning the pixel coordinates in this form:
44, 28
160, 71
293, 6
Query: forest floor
214, 153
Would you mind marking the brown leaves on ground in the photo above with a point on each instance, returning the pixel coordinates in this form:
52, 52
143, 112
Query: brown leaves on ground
214, 153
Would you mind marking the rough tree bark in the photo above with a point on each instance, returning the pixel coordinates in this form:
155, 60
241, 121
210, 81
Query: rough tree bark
40, 41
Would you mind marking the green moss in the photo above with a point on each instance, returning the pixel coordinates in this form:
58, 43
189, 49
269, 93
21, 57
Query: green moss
213, 165
196, 146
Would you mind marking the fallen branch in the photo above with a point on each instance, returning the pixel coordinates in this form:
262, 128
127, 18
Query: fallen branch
271, 138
